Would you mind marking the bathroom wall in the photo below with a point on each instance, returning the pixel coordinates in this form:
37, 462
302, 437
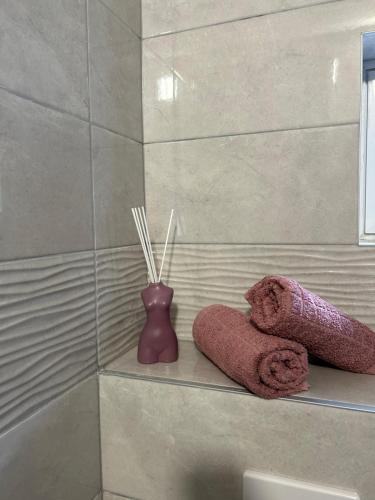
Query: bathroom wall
251, 122
167, 442
71, 166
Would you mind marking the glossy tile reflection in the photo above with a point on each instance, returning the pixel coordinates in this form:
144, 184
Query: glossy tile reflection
305, 72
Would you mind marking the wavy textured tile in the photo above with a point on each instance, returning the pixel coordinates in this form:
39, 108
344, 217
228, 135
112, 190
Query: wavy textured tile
121, 275
208, 274
47, 330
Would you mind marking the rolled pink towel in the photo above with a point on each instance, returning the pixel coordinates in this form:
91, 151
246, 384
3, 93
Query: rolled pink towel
281, 306
268, 366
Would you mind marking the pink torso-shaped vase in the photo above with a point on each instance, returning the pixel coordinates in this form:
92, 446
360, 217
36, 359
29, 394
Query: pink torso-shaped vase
158, 341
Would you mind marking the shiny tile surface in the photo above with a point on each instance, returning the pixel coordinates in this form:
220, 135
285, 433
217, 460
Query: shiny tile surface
220, 274
129, 11
118, 186
165, 16
45, 185
295, 69
194, 443
54, 455
120, 277
43, 52
328, 385
115, 72
47, 331
279, 187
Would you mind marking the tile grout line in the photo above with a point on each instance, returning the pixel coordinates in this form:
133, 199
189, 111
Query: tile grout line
120, 495
239, 19
142, 118
92, 182
258, 132
239, 391
126, 25
65, 253
95, 248
182, 243
44, 405
64, 112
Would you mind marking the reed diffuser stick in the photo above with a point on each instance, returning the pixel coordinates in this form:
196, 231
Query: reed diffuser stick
144, 237
149, 242
140, 219
143, 244
166, 244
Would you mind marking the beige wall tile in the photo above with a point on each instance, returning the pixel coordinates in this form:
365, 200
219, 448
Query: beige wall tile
121, 275
282, 187
165, 16
43, 52
54, 455
47, 331
209, 274
112, 496
129, 11
45, 199
115, 73
190, 443
289, 70
118, 186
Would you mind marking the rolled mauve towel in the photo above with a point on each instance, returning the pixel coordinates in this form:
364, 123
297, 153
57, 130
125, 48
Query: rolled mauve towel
281, 306
268, 366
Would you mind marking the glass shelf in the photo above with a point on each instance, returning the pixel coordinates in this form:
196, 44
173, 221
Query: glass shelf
329, 386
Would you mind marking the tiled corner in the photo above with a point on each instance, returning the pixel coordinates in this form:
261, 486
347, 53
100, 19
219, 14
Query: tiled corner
115, 72
54, 454
279, 187
118, 181
121, 276
165, 16
290, 70
112, 496
220, 274
207, 439
43, 52
45, 183
47, 331
128, 11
